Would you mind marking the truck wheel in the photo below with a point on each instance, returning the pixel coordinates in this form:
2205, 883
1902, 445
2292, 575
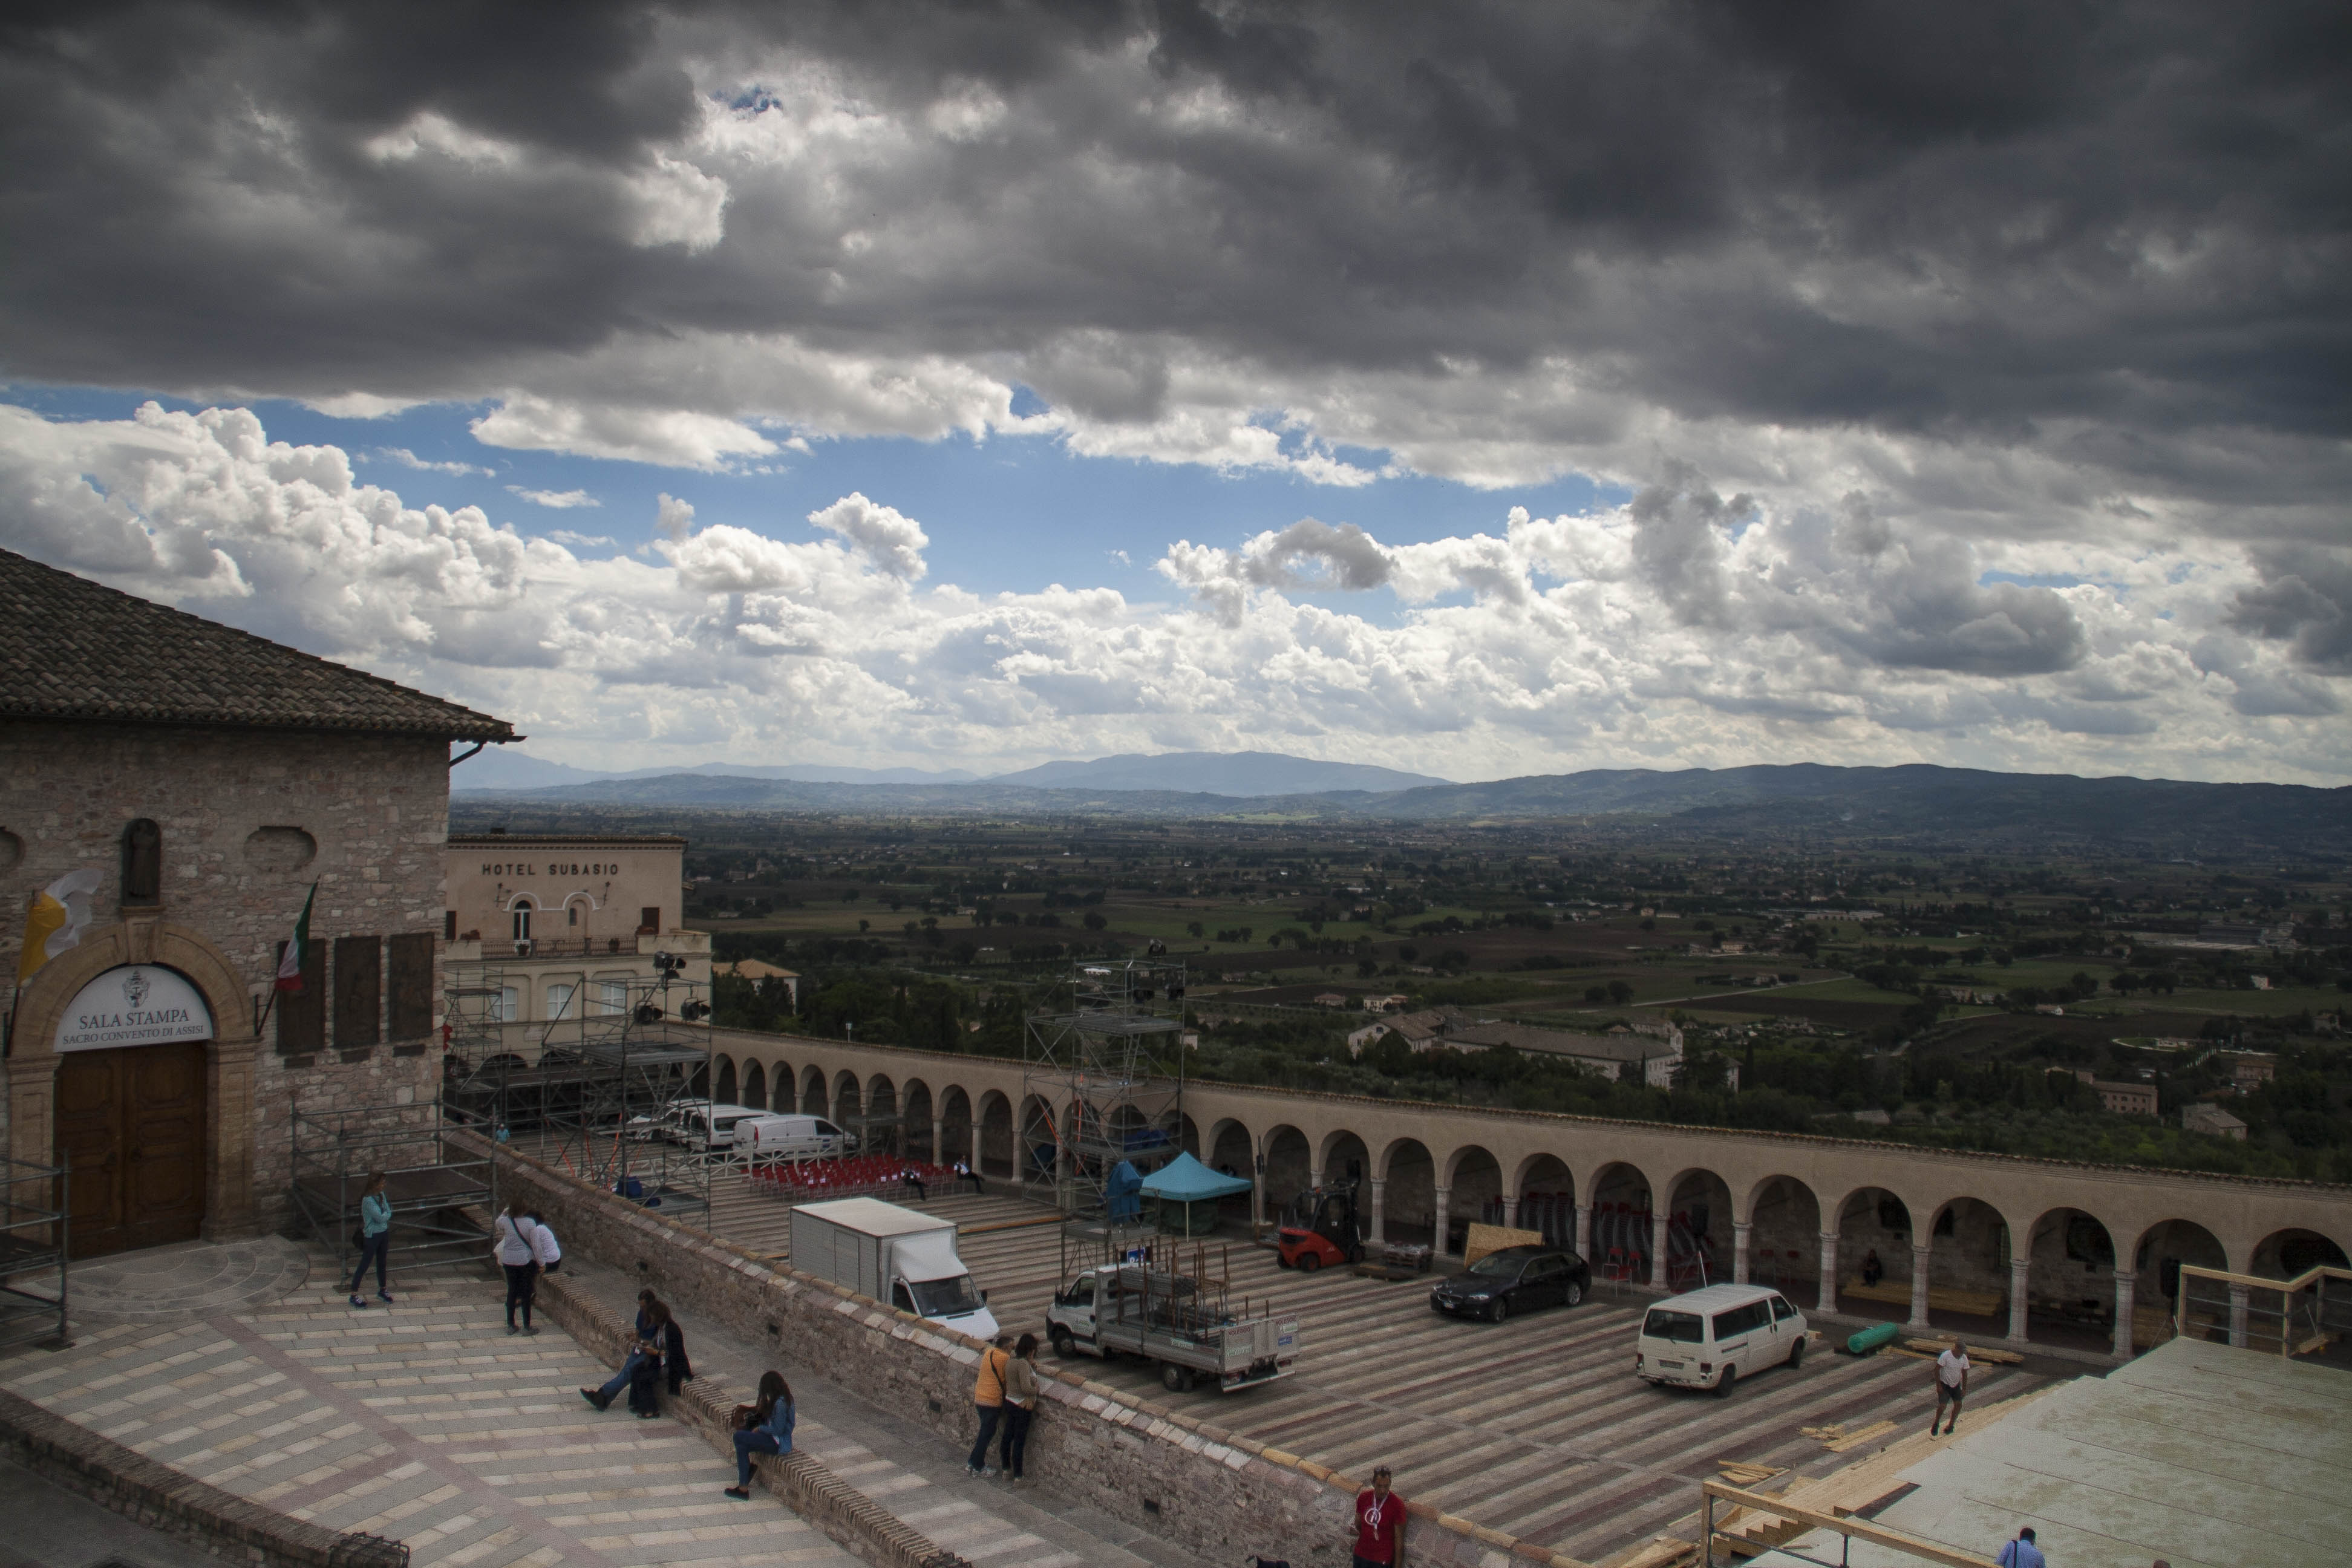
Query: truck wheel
1065, 1346
1309, 1262
1723, 1384
1174, 1378
1797, 1352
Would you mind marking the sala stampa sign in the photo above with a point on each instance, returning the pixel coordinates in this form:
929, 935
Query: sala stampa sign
137, 1005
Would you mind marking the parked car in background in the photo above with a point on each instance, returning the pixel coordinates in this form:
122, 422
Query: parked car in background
1514, 1279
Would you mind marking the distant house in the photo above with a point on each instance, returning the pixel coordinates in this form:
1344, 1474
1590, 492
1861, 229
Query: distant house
2204, 1117
2251, 1069
1365, 1037
1649, 1052
2235, 933
1396, 1002
2123, 1098
755, 971
2259, 982
1330, 999
2051, 1009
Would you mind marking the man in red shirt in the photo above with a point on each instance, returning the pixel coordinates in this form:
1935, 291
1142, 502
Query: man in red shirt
1380, 1525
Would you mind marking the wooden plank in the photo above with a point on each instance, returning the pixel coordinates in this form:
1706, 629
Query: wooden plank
1486, 1239
1973, 1351
1858, 1529
1858, 1438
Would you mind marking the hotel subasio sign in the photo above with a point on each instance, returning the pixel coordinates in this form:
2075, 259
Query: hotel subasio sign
137, 1005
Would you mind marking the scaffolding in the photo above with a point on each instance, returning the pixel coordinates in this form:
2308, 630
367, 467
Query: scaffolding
1109, 1068
599, 1090
33, 1242
428, 1179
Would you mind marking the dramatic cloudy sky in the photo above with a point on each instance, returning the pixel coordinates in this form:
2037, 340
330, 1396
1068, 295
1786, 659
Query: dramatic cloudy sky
1478, 389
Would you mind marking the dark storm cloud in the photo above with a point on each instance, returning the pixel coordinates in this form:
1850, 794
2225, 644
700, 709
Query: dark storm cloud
1968, 221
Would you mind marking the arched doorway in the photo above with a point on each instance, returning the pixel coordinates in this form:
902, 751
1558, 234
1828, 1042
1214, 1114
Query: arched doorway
2070, 1280
1699, 1236
1474, 1188
917, 1116
1548, 1200
1873, 1256
726, 1095
995, 1133
1407, 1195
1623, 1235
812, 1093
755, 1086
1285, 1168
1784, 1239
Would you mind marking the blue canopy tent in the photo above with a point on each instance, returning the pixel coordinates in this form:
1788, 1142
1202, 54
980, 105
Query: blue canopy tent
1187, 1192
1118, 1192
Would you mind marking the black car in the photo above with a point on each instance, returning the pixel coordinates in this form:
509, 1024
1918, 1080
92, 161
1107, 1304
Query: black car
1515, 1280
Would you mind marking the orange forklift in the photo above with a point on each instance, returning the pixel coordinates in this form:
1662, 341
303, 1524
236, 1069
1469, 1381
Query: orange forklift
1320, 1227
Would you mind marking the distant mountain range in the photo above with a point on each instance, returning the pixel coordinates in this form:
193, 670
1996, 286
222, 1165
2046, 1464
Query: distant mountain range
1952, 807
1243, 775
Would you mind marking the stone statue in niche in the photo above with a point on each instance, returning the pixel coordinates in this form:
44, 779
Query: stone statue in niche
142, 863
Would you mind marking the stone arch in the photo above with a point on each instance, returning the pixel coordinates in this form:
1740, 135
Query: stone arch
2158, 1258
992, 1134
1342, 1156
2285, 1254
1288, 1156
1784, 1238
1187, 1136
1969, 1245
726, 1092
1408, 1192
1473, 1193
1623, 1235
230, 1115
1547, 1198
1872, 1221
2071, 1260
1231, 1149
1700, 1235
1039, 1143
782, 1096
812, 1096
957, 1133
915, 1114
845, 1102
755, 1084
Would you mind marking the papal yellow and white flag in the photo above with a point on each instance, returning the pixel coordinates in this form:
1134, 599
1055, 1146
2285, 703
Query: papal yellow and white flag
55, 919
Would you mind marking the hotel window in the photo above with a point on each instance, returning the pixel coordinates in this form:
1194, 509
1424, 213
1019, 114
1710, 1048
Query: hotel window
509, 1004
613, 995
522, 919
559, 1002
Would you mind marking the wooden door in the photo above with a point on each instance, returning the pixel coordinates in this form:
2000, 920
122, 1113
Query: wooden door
131, 1124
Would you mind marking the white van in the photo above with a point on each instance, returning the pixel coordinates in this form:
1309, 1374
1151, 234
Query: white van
703, 1126
1709, 1338
783, 1137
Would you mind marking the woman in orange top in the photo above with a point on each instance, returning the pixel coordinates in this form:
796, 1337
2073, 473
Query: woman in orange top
988, 1397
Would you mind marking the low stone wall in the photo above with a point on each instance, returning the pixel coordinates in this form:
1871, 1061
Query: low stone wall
162, 1498
800, 1482
1214, 1492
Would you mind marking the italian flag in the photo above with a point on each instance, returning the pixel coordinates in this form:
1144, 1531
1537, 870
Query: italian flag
298, 947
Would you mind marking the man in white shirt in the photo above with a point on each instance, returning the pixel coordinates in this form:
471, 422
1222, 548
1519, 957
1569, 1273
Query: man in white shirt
1951, 1385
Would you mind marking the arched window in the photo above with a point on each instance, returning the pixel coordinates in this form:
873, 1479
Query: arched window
142, 863
522, 919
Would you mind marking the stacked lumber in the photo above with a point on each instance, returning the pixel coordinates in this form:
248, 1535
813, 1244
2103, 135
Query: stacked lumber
1896, 1292
1974, 1352
1838, 1439
1749, 1477
1486, 1239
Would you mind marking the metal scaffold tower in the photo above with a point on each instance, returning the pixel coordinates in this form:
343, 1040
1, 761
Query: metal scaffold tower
594, 1091
1107, 1064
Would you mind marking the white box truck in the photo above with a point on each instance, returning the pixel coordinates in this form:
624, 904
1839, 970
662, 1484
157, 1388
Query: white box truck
900, 1255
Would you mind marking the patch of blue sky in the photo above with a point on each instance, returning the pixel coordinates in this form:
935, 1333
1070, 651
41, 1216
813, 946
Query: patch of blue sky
2044, 580
1011, 513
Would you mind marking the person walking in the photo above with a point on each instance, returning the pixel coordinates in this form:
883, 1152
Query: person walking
543, 1245
988, 1397
2021, 1553
376, 1238
1020, 1406
1951, 1385
510, 1237
601, 1398
767, 1429
664, 1360
1380, 1524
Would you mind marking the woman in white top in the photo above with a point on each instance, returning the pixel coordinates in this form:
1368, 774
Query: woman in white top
516, 1241
542, 1245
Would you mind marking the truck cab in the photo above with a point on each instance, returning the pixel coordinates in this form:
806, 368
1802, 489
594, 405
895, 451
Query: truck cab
928, 1279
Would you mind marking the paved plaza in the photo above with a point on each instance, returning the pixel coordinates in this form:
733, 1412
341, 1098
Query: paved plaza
424, 1422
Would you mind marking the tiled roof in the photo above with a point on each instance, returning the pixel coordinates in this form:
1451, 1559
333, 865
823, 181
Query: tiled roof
70, 649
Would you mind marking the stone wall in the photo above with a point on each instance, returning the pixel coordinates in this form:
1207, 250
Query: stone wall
250, 819
1215, 1493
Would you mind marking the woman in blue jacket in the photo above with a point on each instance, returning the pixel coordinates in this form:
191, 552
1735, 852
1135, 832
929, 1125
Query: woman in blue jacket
376, 1238
768, 1431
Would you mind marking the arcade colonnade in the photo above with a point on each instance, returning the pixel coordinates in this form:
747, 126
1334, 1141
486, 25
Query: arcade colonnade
1666, 1206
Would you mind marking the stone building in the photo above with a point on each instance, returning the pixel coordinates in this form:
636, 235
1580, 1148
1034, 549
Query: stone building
209, 779
564, 928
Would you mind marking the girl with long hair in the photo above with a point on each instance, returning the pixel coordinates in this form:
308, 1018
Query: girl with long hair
767, 1430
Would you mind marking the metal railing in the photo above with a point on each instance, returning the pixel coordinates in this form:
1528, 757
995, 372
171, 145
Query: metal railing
2293, 1317
1849, 1528
427, 1177
34, 1223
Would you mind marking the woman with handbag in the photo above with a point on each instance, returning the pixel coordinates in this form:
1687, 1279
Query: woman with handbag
765, 1427
511, 1236
1020, 1406
374, 1238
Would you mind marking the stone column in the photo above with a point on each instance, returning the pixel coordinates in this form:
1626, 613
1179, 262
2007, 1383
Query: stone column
1919, 1256
1828, 1301
2124, 1285
1438, 1222
2239, 1295
1658, 1249
228, 1158
1314, 1177
1257, 1189
1510, 1211
1584, 1231
938, 1139
2020, 1271
1739, 1229
1379, 1236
